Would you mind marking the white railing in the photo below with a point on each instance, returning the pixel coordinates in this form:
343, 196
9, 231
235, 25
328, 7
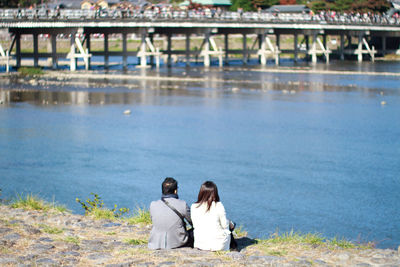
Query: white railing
205, 14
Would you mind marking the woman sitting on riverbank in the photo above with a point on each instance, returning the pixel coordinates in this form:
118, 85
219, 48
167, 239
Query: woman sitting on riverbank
211, 227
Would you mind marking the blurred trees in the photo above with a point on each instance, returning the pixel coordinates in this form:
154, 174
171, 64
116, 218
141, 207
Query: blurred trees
252, 5
376, 6
23, 3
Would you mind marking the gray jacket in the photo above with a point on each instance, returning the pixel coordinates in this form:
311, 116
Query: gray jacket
168, 229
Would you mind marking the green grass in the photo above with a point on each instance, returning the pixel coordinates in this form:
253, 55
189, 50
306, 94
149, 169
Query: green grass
297, 238
102, 214
50, 230
136, 241
341, 243
111, 233
240, 232
72, 239
30, 71
281, 240
32, 202
140, 216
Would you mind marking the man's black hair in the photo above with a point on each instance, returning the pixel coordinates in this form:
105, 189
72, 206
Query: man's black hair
169, 186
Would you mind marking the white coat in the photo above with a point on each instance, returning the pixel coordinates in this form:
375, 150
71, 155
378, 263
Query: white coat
211, 228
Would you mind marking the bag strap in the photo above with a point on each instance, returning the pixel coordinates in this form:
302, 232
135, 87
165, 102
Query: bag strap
177, 212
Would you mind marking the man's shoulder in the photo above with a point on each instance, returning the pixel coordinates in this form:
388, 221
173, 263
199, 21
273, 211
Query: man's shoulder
173, 201
177, 202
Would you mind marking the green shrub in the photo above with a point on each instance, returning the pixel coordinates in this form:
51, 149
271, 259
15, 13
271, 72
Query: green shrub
95, 207
30, 71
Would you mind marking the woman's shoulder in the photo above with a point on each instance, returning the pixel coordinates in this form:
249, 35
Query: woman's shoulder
219, 205
195, 206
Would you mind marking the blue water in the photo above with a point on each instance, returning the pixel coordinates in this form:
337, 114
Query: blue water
324, 158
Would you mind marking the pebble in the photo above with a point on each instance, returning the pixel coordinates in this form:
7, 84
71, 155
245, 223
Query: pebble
166, 263
46, 239
12, 237
343, 257
111, 224
46, 261
31, 230
42, 247
68, 253
5, 230
5, 261
235, 255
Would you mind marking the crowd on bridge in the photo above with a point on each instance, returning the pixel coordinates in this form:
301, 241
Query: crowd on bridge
168, 12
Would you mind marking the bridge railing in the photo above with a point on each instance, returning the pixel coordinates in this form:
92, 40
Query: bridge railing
204, 15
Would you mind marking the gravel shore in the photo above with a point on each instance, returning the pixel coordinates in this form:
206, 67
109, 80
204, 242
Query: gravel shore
38, 238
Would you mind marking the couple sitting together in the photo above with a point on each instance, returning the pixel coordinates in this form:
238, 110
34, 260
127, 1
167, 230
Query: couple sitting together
211, 228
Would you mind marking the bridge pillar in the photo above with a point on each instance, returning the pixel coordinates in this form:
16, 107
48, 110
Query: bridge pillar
362, 41
207, 50
18, 49
307, 39
314, 49
278, 45
169, 44
261, 44
187, 49
296, 47
143, 59
383, 45
226, 48
245, 53
73, 60
124, 51
341, 46
35, 50
73, 35
360, 55
151, 38
106, 55
349, 41
54, 50
88, 48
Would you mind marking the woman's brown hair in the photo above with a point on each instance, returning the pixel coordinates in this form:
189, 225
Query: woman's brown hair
208, 193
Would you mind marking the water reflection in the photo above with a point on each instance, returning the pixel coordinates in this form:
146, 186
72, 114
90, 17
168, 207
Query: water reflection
146, 86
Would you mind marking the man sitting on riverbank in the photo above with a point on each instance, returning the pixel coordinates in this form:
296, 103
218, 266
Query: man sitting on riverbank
169, 230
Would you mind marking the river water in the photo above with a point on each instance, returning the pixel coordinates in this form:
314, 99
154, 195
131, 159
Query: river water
288, 148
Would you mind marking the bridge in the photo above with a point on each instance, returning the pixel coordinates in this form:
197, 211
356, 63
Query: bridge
361, 39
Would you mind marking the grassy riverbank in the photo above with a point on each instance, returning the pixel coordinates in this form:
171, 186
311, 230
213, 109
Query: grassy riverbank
36, 232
